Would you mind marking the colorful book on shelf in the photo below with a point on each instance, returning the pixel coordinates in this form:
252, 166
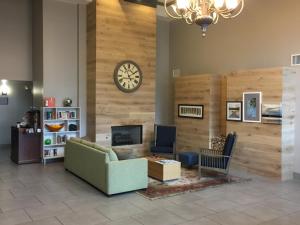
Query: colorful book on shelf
66, 115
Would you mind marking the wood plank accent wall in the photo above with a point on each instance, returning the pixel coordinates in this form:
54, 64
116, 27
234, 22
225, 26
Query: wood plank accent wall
122, 31
288, 122
259, 145
264, 149
204, 90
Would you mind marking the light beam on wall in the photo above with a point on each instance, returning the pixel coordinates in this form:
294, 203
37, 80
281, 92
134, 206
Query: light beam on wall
4, 89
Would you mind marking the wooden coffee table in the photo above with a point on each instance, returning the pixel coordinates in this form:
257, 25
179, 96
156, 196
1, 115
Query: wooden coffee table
163, 171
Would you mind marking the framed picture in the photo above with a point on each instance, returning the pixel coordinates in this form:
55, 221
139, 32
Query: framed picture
234, 111
191, 111
272, 113
3, 100
252, 107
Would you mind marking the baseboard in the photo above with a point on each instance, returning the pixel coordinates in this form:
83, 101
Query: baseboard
297, 176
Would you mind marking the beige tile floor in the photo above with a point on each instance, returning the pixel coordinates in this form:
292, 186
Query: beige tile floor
48, 195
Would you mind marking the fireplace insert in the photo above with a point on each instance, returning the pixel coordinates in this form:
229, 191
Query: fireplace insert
127, 135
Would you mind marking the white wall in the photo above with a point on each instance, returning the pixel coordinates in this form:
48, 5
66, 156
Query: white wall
60, 51
164, 81
19, 102
82, 92
297, 147
15, 40
263, 36
37, 52
61, 69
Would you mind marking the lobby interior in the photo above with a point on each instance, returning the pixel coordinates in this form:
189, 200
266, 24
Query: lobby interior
118, 79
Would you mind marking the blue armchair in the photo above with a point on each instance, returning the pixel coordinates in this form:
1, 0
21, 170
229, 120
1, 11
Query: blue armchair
165, 140
218, 161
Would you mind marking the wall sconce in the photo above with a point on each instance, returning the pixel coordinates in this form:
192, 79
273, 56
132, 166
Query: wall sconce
4, 89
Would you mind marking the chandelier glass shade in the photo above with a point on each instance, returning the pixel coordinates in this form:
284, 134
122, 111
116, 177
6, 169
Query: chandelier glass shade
203, 12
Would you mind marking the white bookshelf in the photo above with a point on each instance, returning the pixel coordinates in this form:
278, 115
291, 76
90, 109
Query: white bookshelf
54, 142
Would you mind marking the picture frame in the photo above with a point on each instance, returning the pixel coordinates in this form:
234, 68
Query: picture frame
3, 100
272, 114
252, 107
234, 111
191, 111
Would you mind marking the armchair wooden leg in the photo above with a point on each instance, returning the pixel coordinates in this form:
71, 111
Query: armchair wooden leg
227, 176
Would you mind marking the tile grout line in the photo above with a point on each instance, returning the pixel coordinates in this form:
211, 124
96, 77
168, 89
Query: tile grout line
28, 214
58, 220
131, 217
98, 211
70, 208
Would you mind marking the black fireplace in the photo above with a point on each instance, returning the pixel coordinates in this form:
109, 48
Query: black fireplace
126, 135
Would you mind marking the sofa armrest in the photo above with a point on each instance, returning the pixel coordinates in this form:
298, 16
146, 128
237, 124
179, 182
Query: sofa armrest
127, 175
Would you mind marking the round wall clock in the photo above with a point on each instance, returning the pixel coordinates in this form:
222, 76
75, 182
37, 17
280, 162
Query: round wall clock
128, 76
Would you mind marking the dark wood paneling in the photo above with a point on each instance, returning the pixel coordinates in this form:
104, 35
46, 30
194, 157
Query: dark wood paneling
25, 148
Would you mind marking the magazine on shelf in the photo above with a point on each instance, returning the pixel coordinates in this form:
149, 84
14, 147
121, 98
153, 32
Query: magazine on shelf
167, 161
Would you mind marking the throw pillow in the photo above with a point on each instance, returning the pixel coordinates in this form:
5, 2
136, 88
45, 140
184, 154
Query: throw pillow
111, 154
124, 154
217, 143
100, 148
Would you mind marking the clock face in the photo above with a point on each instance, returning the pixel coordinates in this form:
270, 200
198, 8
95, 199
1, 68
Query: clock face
128, 76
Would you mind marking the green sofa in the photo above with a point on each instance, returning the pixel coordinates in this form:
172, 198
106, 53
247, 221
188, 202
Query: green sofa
101, 168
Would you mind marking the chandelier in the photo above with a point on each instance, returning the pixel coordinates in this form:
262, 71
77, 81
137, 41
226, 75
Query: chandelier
203, 12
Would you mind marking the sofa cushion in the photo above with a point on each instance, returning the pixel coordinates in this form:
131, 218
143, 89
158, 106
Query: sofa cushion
75, 139
165, 136
124, 154
167, 150
87, 143
229, 145
112, 155
99, 147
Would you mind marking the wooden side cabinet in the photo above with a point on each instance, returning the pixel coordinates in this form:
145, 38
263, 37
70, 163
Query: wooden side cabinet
25, 147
